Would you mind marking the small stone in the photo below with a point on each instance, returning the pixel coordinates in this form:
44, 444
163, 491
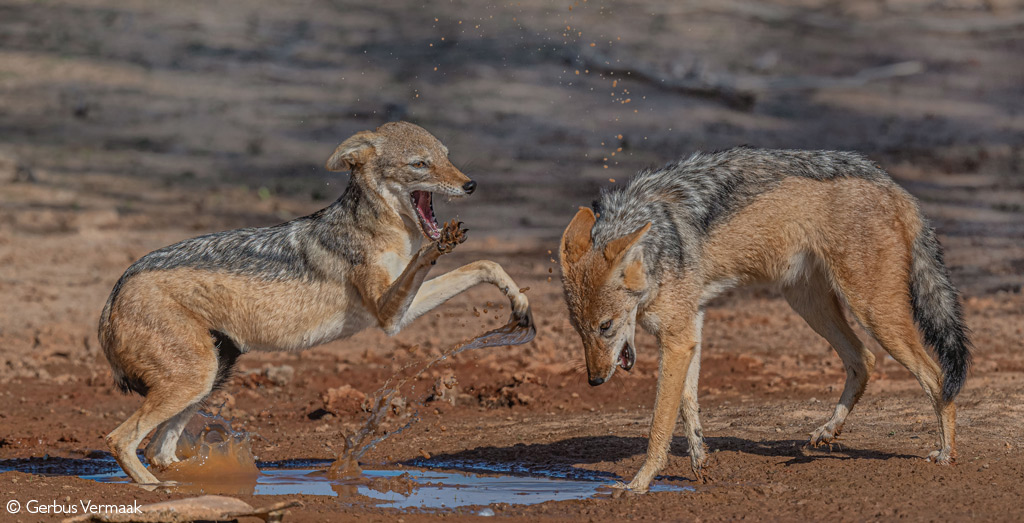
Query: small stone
486, 512
343, 400
280, 375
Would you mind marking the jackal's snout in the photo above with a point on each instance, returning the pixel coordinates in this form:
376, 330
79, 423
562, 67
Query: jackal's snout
451, 181
603, 357
599, 367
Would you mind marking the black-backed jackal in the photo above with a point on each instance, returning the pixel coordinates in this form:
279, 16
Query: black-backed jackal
830, 228
180, 316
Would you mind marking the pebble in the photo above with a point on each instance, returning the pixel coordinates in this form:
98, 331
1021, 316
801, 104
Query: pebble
486, 512
280, 375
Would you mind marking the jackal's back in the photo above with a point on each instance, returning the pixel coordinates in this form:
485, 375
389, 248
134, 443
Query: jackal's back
685, 200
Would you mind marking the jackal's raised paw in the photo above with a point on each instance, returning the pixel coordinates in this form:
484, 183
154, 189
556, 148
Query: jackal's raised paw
452, 234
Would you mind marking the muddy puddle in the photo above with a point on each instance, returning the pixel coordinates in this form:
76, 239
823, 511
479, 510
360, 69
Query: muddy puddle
402, 488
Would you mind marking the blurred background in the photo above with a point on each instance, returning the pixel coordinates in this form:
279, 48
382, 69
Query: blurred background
127, 125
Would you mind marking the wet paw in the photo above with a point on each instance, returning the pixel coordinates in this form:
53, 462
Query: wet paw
635, 486
452, 234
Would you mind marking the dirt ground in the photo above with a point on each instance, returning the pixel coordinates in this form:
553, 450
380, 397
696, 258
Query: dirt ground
129, 125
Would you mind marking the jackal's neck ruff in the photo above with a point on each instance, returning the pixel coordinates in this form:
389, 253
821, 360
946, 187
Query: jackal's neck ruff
364, 206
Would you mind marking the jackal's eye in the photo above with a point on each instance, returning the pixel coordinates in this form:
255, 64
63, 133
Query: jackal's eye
419, 165
605, 326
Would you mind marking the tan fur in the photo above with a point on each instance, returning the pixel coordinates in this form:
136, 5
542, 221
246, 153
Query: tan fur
844, 241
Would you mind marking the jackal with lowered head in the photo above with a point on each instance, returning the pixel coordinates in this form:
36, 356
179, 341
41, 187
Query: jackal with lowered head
829, 228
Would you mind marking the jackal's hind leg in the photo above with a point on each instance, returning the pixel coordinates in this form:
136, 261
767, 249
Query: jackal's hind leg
187, 366
898, 335
161, 451
889, 317
815, 301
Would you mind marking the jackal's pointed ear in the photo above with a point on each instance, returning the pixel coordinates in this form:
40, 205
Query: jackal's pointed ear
576, 240
618, 253
618, 247
354, 152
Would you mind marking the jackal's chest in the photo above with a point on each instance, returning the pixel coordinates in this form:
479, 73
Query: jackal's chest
394, 263
396, 256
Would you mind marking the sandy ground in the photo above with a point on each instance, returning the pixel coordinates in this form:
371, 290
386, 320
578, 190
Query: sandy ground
126, 126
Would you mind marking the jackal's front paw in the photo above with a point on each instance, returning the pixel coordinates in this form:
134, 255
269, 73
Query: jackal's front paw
701, 468
824, 436
521, 313
452, 234
699, 462
942, 457
637, 485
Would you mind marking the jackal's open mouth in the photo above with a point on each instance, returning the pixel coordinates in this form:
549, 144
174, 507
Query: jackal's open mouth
424, 204
627, 357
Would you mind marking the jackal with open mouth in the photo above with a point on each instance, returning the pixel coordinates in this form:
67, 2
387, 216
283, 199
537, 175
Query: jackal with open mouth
829, 228
180, 316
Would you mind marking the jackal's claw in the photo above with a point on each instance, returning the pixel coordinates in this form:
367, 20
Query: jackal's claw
824, 437
524, 319
702, 476
620, 485
452, 234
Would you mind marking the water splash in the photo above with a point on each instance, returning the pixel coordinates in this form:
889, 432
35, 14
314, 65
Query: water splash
387, 401
211, 452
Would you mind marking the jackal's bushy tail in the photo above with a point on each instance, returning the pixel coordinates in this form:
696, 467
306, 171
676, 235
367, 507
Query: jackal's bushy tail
938, 312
